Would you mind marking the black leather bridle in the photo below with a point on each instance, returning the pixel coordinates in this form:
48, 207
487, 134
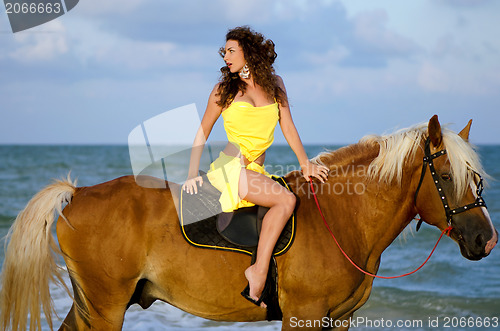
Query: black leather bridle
428, 160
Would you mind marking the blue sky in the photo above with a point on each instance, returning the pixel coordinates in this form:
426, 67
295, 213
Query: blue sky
351, 68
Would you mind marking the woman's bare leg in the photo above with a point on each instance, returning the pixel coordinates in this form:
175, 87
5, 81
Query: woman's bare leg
264, 191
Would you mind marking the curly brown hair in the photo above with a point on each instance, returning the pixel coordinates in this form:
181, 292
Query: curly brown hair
260, 55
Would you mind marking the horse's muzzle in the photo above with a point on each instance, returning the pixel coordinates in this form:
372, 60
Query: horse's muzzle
491, 243
478, 248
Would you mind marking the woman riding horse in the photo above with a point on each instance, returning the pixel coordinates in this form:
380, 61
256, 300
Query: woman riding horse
251, 99
122, 243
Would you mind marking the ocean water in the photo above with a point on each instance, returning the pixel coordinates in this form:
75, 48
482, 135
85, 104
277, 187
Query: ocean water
449, 290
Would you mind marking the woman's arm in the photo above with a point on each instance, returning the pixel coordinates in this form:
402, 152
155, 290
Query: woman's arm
292, 137
211, 115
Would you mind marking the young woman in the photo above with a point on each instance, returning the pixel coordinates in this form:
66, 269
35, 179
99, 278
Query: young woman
251, 99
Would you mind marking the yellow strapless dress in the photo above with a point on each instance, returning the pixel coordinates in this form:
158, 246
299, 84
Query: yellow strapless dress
251, 130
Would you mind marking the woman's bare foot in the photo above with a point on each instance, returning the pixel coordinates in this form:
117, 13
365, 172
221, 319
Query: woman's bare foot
257, 281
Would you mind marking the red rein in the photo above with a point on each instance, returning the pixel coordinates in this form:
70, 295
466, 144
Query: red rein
447, 231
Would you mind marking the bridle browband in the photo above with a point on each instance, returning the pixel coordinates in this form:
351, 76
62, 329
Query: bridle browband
428, 160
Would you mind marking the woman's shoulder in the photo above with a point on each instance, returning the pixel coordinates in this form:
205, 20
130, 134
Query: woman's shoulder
215, 92
216, 87
280, 82
214, 98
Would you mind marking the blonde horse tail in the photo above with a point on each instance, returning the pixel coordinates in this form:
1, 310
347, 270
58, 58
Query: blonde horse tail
31, 260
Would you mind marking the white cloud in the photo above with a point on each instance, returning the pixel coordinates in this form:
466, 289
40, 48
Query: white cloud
241, 11
458, 77
102, 8
447, 46
465, 3
41, 45
92, 45
370, 27
328, 58
431, 78
141, 55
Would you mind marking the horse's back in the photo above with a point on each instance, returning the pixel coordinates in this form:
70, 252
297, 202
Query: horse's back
107, 203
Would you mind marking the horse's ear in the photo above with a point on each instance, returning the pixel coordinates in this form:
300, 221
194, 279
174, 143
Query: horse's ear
435, 131
465, 132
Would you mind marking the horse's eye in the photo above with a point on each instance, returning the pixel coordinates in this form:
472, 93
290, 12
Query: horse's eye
446, 177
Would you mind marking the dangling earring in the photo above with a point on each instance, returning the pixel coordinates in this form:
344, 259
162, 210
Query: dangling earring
245, 72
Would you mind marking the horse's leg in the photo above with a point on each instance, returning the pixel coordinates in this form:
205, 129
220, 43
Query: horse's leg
71, 322
100, 301
299, 310
97, 309
303, 315
340, 324
345, 322
313, 317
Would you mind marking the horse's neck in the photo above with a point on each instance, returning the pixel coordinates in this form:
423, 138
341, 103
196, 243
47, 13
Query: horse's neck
395, 210
375, 215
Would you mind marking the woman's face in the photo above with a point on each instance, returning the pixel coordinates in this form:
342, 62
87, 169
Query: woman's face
234, 58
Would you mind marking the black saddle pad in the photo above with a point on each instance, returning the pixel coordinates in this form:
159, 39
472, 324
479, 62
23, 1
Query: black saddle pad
203, 224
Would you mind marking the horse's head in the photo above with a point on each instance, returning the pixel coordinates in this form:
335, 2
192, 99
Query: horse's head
449, 191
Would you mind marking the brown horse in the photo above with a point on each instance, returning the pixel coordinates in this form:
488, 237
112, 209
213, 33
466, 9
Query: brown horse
122, 243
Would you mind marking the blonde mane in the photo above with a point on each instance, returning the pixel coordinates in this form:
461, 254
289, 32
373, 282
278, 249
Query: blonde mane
398, 148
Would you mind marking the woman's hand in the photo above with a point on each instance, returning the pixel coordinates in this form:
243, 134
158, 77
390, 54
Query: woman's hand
310, 169
190, 185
